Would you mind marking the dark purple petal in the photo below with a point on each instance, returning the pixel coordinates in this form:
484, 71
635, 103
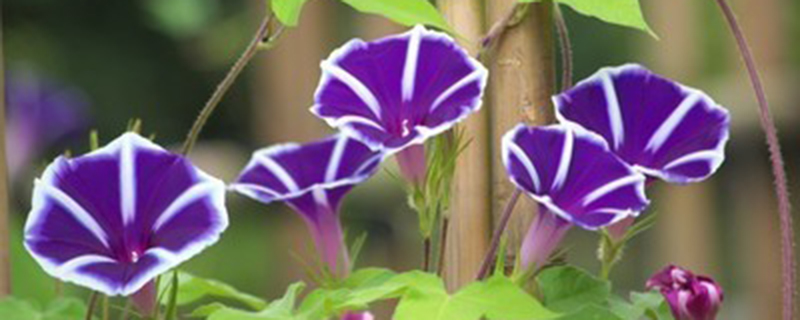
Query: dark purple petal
327, 168
115, 218
664, 129
399, 90
573, 174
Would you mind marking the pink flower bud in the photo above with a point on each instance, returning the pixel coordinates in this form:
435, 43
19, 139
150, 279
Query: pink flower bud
690, 297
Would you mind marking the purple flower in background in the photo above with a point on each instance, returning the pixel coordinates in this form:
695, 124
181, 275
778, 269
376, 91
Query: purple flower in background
39, 113
365, 315
394, 93
114, 219
690, 297
662, 128
574, 177
312, 179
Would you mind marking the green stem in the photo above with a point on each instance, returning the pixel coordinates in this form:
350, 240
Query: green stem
261, 36
105, 307
91, 304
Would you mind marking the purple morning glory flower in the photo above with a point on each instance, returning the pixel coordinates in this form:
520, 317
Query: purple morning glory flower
114, 219
662, 128
312, 179
394, 93
39, 113
574, 177
690, 297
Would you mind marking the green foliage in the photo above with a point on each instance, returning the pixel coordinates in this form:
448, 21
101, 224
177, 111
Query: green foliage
626, 13
422, 296
580, 296
59, 309
192, 289
288, 11
281, 309
643, 304
405, 12
497, 298
569, 288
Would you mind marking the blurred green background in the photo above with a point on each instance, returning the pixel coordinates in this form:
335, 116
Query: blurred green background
159, 60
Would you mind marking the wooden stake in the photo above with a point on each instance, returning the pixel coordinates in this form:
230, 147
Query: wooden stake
521, 81
470, 219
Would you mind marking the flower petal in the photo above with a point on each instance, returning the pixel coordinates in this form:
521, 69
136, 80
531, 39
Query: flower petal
308, 175
665, 129
573, 174
98, 220
399, 90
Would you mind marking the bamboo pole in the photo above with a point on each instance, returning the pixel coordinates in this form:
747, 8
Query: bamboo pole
686, 229
286, 80
469, 228
5, 259
522, 79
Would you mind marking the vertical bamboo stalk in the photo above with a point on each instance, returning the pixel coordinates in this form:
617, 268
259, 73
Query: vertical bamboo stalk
686, 229
5, 259
522, 79
470, 214
286, 79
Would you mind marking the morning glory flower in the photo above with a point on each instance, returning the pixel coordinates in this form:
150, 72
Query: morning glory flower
574, 177
312, 179
396, 92
690, 297
115, 218
39, 113
662, 128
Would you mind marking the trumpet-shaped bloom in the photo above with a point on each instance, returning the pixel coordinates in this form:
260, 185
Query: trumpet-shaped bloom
114, 219
400, 90
690, 297
662, 128
573, 174
312, 179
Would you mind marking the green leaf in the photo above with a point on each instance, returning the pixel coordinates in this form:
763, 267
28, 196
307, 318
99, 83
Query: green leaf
60, 309
18, 309
288, 11
568, 288
591, 312
498, 298
626, 13
501, 299
650, 304
405, 12
281, 309
192, 288
64, 309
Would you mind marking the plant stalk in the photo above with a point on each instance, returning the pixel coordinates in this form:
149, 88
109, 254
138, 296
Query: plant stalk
566, 48
91, 304
261, 36
5, 259
781, 190
469, 226
488, 260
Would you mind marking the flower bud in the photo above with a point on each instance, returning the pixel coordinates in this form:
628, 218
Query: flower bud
690, 297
